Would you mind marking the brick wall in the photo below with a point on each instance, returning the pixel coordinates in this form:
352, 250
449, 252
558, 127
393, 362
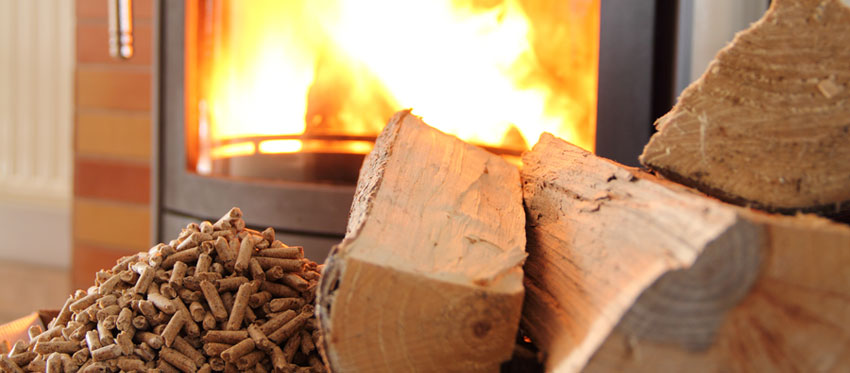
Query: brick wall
112, 145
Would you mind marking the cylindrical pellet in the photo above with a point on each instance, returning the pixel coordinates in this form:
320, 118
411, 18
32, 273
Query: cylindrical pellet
185, 348
281, 304
246, 249
177, 360
177, 274
277, 321
292, 252
278, 290
106, 353
173, 327
145, 279
238, 350
240, 303
214, 300
288, 265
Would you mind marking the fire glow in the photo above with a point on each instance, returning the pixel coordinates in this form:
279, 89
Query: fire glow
493, 72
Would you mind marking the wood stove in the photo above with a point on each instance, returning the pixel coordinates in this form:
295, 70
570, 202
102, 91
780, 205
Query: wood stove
303, 184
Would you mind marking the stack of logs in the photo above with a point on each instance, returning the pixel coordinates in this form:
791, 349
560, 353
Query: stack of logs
626, 271
221, 297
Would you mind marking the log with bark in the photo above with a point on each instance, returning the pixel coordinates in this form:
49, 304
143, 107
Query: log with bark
664, 278
429, 276
768, 124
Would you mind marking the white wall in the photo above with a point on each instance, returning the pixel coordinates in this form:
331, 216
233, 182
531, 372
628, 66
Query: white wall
715, 24
705, 27
36, 122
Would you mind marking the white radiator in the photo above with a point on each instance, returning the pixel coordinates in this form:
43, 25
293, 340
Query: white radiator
36, 100
36, 122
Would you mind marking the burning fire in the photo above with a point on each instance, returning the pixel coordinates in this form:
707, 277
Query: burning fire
493, 72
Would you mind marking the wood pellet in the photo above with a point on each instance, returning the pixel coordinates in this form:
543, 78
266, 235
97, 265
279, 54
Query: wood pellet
220, 297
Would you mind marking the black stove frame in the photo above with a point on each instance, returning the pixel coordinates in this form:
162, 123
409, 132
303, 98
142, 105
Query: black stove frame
635, 87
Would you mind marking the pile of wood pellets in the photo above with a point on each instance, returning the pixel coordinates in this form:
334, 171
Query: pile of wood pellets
221, 297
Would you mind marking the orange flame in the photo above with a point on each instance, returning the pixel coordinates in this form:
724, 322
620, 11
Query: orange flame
493, 72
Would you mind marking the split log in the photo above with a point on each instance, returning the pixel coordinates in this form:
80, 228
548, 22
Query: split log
666, 279
600, 234
428, 277
795, 318
767, 124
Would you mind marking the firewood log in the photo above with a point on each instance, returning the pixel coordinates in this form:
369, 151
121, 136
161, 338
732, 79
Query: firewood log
767, 124
667, 279
428, 277
794, 319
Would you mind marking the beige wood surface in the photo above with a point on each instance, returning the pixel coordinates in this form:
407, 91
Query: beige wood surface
428, 277
795, 319
664, 278
600, 234
767, 124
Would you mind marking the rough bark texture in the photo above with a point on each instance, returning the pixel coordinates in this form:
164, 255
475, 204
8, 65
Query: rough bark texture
663, 277
767, 124
429, 276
